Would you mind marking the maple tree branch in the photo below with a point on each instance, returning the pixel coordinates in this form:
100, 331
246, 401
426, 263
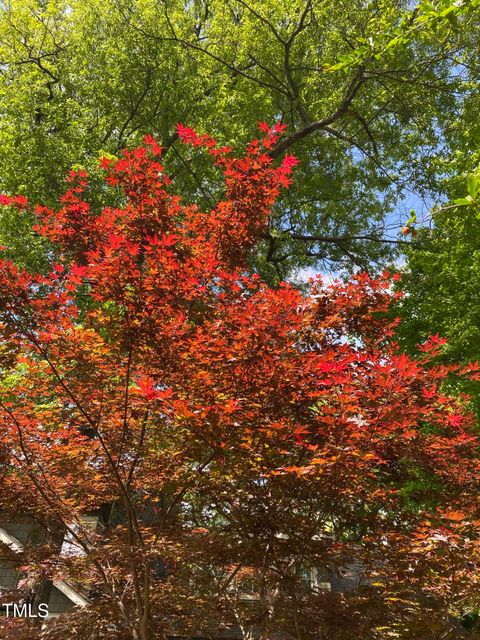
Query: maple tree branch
144, 628
93, 423
30, 463
186, 487
138, 448
66, 522
125, 403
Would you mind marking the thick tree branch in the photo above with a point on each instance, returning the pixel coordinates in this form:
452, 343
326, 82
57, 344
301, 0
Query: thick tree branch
348, 97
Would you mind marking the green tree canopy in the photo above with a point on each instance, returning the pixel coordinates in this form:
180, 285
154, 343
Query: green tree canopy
441, 279
367, 90
443, 263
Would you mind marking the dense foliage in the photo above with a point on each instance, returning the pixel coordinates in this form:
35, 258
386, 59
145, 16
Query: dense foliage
371, 92
243, 435
235, 433
441, 277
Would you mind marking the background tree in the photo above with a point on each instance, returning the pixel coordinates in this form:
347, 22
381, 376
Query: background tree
441, 277
369, 92
242, 434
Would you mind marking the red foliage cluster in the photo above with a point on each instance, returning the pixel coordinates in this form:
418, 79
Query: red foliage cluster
150, 366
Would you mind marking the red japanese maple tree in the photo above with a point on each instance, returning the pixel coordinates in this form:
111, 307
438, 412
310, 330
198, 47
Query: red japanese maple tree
262, 459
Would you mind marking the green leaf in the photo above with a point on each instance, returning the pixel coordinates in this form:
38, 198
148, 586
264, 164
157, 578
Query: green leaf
464, 201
